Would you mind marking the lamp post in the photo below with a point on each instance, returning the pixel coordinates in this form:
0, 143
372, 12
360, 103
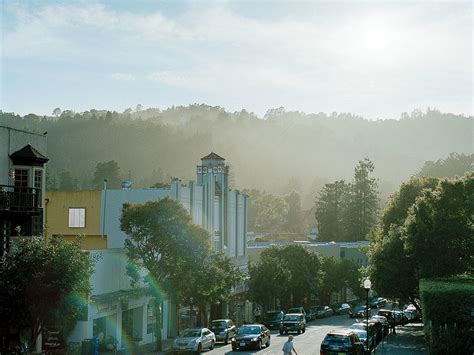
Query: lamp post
367, 286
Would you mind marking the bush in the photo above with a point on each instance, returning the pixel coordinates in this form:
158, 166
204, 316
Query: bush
447, 305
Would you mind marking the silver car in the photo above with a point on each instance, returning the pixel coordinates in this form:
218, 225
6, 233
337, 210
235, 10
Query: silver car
194, 339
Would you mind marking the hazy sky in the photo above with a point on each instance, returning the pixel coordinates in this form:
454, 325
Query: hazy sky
370, 58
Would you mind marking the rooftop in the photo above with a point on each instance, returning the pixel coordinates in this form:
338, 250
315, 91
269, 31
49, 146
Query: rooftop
212, 156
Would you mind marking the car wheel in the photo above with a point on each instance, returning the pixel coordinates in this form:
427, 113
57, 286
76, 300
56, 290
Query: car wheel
268, 342
281, 332
199, 349
234, 348
212, 345
226, 340
259, 346
304, 329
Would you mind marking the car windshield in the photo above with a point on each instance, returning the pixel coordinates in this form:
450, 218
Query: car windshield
333, 339
191, 333
291, 317
248, 330
360, 308
273, 315
219, 325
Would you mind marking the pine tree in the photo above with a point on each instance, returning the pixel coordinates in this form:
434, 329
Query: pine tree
329, 210
362, 204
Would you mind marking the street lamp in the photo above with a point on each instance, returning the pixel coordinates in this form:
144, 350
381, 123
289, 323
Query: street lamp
367, 286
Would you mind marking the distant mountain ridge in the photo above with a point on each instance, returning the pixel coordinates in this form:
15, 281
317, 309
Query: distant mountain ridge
282, 151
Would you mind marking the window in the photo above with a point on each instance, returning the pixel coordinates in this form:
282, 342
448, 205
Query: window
77, 217
38, 183
21, 177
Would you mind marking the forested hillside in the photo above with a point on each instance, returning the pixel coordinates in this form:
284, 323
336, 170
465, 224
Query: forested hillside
281, 152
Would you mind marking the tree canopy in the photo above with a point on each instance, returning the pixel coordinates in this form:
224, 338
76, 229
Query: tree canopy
348, 211
426, 231
41, 284
175, 254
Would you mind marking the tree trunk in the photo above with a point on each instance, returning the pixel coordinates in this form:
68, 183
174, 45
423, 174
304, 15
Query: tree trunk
415, 303
158, 325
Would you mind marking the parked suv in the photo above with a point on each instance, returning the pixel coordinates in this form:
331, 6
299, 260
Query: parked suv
293, 322
297, 310
342, 342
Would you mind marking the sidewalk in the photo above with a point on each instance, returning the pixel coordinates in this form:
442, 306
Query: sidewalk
409, 340
147, 349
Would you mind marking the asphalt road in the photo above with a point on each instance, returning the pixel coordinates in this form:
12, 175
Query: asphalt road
305, 344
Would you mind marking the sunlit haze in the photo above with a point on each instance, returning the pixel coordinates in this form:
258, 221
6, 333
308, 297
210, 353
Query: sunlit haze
373, 59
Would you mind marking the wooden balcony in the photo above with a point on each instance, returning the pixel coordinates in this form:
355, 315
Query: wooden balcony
20, 199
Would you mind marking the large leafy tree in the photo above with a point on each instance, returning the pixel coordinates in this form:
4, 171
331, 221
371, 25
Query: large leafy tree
40, 282
267, 212
175, 254
337, 275
330, 209
292, 273
426, 231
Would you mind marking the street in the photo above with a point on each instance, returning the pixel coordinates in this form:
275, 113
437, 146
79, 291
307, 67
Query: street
307, 343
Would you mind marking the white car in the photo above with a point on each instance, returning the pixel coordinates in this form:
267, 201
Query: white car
194, 339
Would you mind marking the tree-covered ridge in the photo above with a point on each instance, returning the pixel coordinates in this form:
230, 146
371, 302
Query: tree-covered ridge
282, 152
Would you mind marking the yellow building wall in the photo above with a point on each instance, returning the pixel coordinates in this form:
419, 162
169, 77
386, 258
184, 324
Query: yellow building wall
57, 208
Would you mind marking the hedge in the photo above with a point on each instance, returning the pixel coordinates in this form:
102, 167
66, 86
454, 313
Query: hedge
448, 314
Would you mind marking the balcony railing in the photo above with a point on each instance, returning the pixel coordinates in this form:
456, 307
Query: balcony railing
14, 198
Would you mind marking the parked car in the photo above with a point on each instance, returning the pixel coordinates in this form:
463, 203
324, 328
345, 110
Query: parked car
194, 339
297, 310
385, 324
373, 303
372, 334
324, 311
378, 328
342, 342
309, 316
362, 334
293, 322
224, 329
381, 302
273, 319
251, 336
400, 318
342, 308
358, 312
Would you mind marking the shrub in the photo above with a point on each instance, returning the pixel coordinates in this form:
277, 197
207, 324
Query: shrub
447, 306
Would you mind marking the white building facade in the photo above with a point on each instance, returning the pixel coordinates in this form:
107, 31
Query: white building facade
116, 311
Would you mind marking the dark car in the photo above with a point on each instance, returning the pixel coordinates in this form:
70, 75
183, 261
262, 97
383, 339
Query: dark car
342, 342
358, 312
273, 319
324, 311
372, 335
342, 308
293, 322
224, 329
251, 336
390, 315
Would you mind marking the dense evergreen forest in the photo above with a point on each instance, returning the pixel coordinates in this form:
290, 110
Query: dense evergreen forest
279, 153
